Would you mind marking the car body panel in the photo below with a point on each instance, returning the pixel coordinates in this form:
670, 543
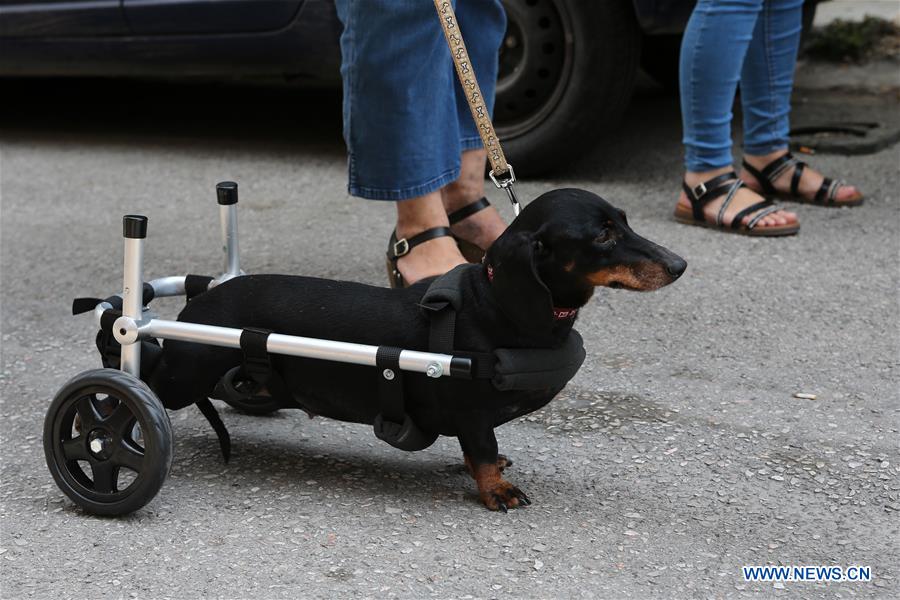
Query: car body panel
148, 17
306, 51
57, 18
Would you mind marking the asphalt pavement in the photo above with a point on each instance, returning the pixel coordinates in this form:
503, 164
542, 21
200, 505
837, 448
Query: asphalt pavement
677, 455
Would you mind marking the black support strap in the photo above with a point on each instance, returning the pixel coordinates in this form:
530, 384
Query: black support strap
393, 425
258, 364
390, 383
209, 411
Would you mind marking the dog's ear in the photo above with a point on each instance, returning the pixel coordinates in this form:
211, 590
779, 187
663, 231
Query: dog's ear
522, 295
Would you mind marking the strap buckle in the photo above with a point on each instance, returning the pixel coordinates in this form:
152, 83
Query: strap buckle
700, 190
505, 182
401, 248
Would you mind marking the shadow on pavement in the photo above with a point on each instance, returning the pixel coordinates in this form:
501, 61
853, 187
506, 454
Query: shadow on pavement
266, 119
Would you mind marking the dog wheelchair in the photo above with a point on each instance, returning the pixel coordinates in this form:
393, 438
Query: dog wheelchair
107, 437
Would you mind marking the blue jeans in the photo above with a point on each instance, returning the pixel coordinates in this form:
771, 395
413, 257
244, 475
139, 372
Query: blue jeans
406, 120
753, 42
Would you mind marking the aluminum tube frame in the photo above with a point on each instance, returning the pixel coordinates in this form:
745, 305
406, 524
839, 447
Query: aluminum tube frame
229, 224
431, 364
133, 300
166, 287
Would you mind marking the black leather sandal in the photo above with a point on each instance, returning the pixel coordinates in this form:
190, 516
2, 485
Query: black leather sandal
399, 248
825, 195
471, 252
729, 184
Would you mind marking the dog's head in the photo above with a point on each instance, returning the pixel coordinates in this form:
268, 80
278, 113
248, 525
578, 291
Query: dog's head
563, 245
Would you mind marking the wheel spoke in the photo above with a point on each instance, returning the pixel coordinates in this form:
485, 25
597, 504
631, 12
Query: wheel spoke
105, 476
128, 456
74, 449
120, 421
87, 412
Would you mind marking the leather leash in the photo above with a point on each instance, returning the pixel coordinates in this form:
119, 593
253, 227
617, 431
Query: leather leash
501, 172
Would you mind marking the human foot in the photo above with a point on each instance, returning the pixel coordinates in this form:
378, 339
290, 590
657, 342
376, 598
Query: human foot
718, 199
421, 245
472, 219
410, 260
781, 174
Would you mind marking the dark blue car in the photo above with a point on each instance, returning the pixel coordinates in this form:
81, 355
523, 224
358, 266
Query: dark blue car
567, 66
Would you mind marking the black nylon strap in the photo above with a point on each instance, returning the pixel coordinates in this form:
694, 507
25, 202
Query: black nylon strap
442, 329
108, 318
468, 210
256, 356
483, 363
209, 411
194, 285
390, 390
258, 364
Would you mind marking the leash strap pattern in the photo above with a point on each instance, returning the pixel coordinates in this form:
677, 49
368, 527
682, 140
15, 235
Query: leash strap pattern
466, 74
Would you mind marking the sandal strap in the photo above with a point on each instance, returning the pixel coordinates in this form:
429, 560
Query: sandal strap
826, 192
725, 203
708, 191
468, 210
766, 207
771, 171
402, 247
795, 179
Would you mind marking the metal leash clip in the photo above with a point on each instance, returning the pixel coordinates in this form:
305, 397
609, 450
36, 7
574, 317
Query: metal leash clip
506, 184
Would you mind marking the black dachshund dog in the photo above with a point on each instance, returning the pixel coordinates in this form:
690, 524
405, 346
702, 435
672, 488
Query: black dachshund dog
526, 294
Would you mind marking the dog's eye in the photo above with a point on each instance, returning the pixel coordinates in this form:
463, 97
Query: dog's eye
603, 241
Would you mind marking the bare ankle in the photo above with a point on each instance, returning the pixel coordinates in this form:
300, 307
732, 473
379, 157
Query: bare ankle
418, 214
695, 178
761, 160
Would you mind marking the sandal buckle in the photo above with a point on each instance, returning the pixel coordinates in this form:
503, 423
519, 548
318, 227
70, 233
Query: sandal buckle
700, 190
401, 248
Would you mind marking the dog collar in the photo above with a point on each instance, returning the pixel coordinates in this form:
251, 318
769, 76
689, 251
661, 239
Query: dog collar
560, 314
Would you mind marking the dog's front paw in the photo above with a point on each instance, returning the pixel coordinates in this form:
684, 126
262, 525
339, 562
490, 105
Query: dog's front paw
503, 495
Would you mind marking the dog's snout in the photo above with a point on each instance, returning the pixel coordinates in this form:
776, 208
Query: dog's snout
676, 267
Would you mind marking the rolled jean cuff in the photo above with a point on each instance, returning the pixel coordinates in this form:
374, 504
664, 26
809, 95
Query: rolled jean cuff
405, 193
763, 149
701, 164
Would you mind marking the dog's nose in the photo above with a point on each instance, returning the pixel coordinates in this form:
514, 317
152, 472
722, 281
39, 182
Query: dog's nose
676, 268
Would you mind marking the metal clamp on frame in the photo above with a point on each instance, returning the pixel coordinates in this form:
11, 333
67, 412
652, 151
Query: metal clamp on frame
505, 182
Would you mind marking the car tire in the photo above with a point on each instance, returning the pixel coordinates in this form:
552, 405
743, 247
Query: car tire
567, 71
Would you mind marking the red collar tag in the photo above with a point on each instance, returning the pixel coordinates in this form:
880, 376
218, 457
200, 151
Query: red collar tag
559, 314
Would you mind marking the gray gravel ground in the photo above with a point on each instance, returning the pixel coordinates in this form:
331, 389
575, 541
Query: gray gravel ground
677, 455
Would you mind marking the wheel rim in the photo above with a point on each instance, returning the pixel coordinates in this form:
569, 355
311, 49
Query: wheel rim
535, 65
109, 443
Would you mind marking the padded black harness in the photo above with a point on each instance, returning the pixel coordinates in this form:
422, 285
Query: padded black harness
506, 368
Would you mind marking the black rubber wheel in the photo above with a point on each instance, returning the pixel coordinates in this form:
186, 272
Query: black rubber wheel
256, 406
567, 70
115, 456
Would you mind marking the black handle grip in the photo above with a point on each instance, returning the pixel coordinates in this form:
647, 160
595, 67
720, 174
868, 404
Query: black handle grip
226, 192
134, 227
461, 367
